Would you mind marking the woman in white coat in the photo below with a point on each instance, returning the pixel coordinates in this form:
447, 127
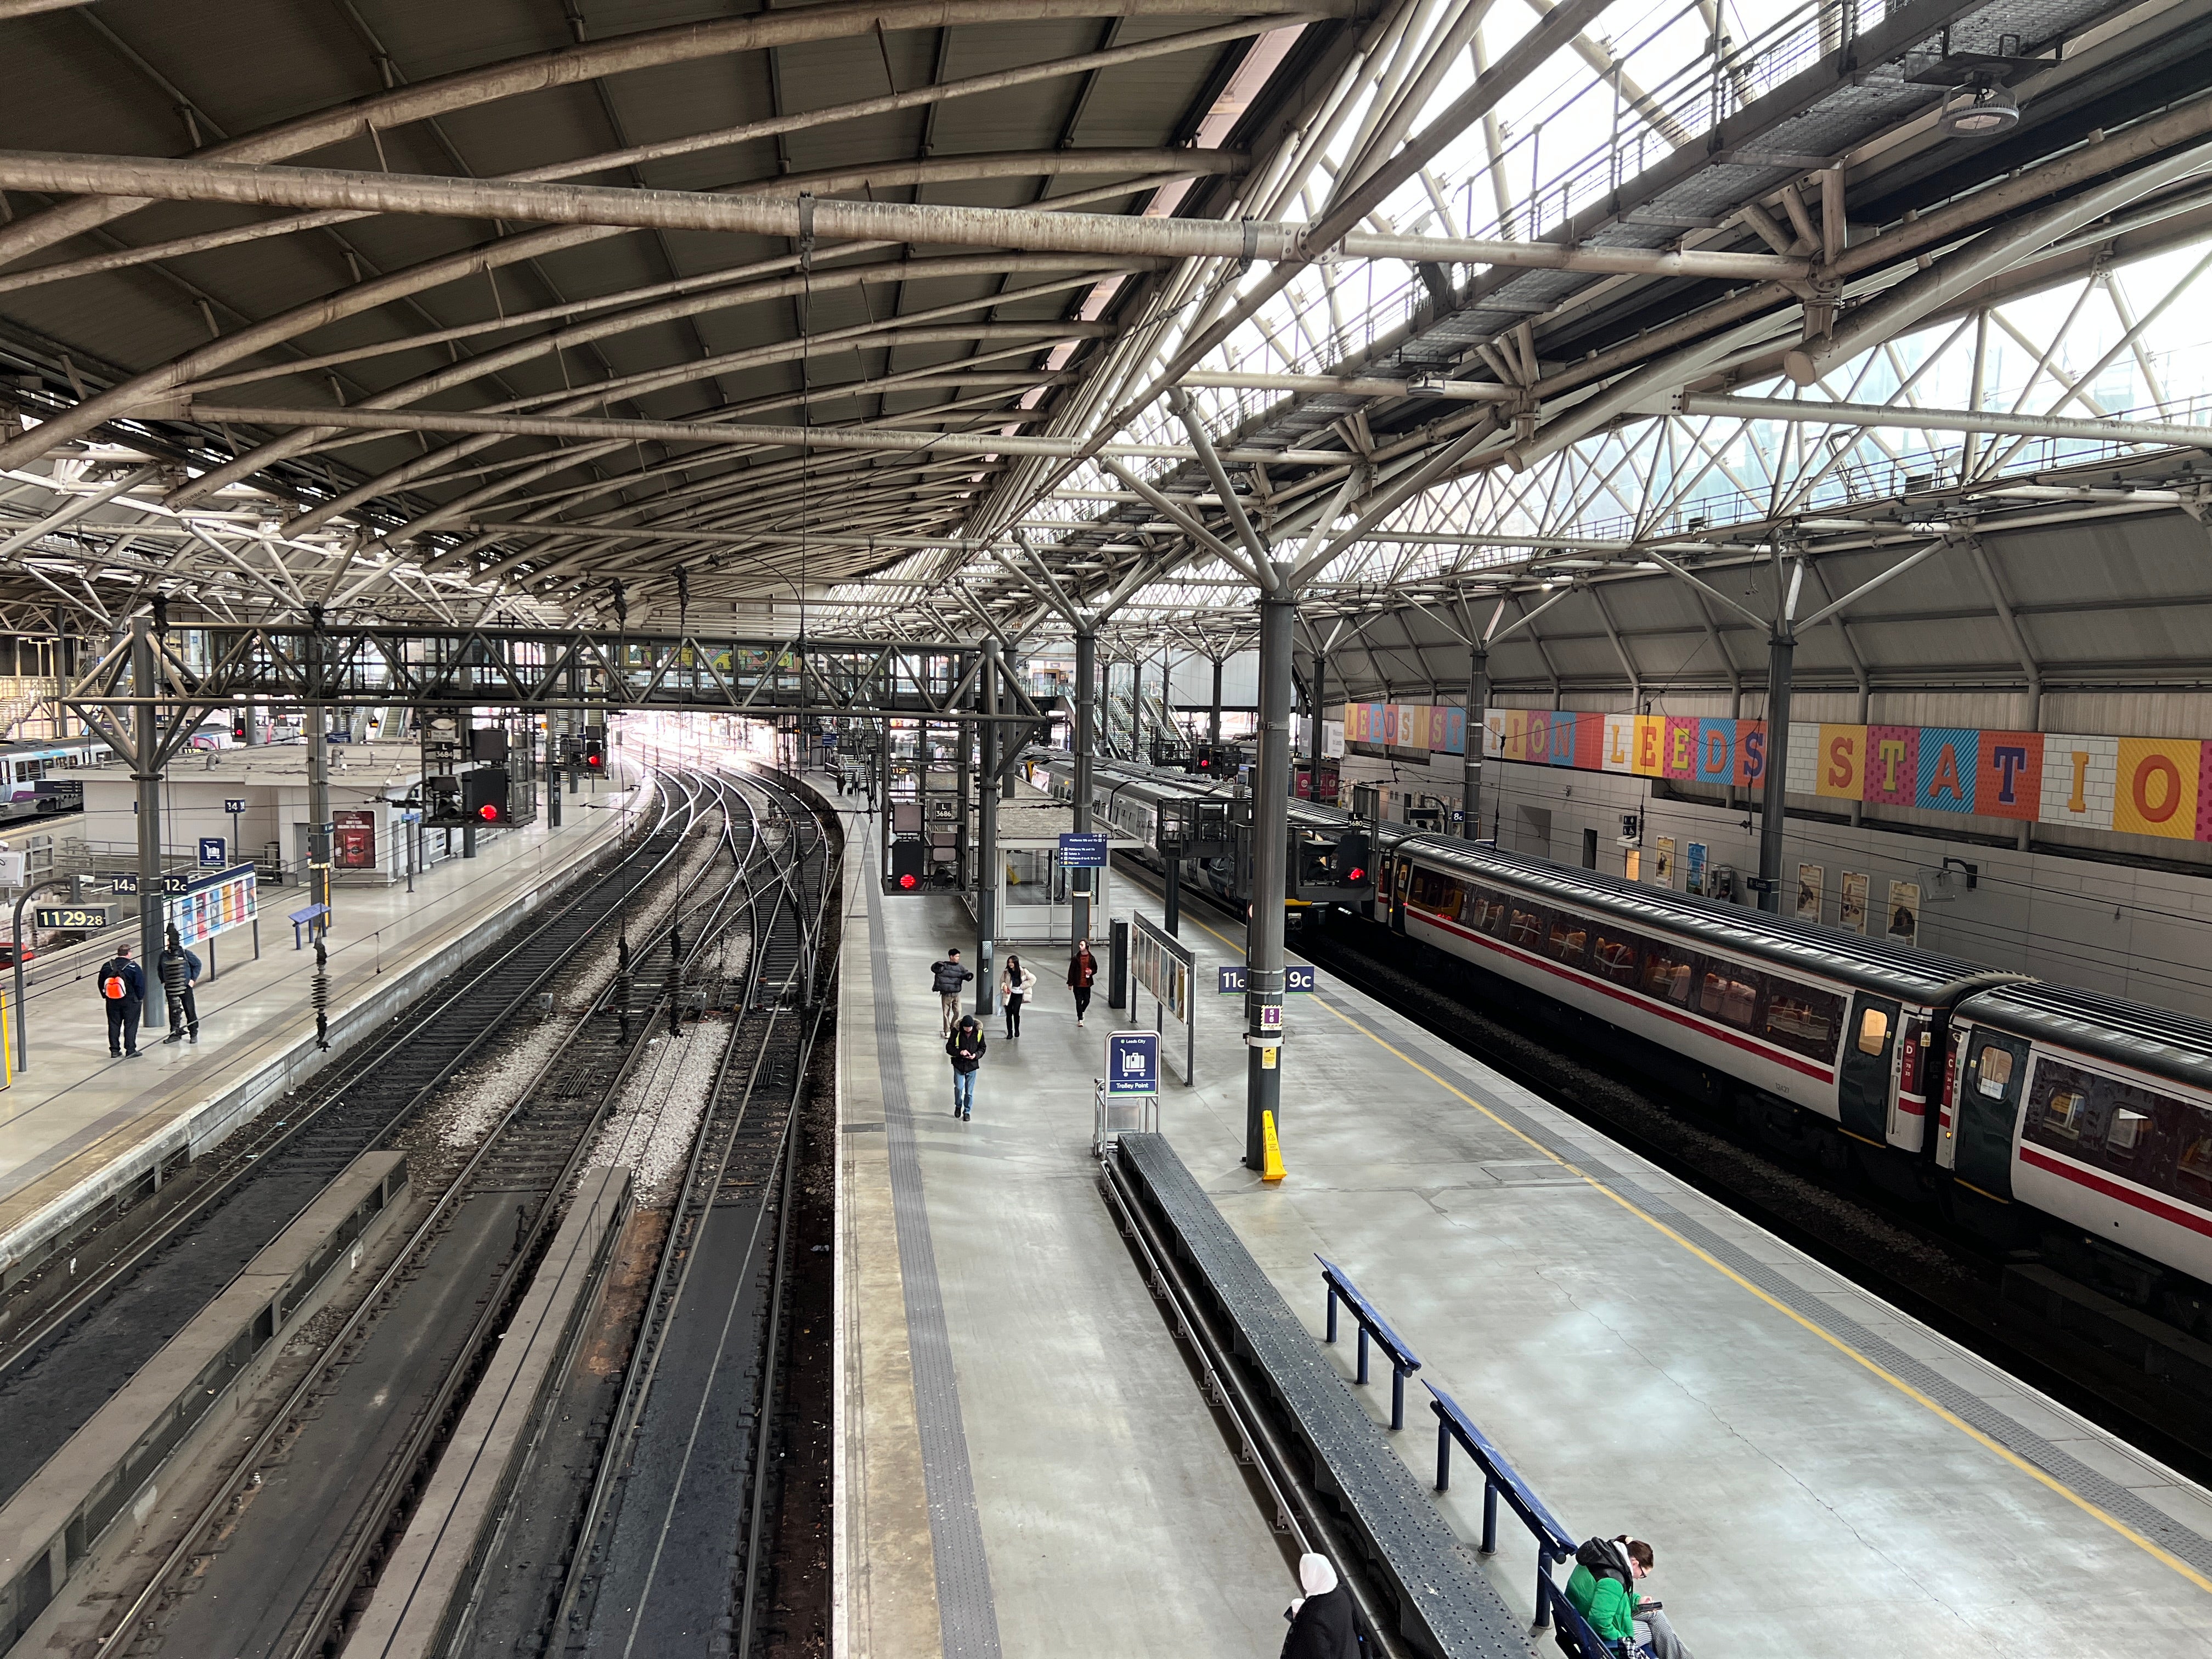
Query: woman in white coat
1018, 985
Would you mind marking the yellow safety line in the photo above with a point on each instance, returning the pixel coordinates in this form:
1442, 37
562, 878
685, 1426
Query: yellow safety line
1783, 1307
1829, 1337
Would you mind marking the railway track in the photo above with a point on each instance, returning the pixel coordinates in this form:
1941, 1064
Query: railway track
109, 1303
633, 1527
313, 1539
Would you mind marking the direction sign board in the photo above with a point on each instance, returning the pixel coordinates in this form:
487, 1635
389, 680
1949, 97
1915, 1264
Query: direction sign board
1085, 851
1133, 1063
1296, 977
214, 853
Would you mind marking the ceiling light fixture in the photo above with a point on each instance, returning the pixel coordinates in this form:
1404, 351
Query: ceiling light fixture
1980, 109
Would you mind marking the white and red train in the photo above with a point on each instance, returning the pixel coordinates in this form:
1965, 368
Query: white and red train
2024, 1093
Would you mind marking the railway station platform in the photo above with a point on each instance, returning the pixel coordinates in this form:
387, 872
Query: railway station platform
78, 1128
1027, 1466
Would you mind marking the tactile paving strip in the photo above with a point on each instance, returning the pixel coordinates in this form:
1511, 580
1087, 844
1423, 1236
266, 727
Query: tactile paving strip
968, 1619
1500, 1096
1446, 1607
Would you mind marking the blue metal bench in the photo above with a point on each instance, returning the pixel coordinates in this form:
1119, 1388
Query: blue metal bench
1371, 1325
1554, 1543
315, 918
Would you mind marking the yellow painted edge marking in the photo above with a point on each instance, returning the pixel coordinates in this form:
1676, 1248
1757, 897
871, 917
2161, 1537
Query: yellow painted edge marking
1834, 1341
1829, 1337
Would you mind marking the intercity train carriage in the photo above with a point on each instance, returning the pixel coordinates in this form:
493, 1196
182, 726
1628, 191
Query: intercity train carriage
1331, 861
2050, 1102
2088, 1107
1812, 1015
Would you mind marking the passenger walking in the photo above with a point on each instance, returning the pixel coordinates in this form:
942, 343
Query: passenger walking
1602, 1589
966, 1046
122, 985
1018, 986
179, 970
945, 978
1082, 969
1320, 1619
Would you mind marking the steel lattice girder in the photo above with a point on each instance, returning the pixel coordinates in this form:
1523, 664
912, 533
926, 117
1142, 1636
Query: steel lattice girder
218, 666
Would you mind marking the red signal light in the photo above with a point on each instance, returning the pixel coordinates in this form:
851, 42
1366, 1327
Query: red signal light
907, 883
591, 759
1358, 874
488, 812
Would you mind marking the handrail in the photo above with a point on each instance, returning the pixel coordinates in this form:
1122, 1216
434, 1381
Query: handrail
1403, 1364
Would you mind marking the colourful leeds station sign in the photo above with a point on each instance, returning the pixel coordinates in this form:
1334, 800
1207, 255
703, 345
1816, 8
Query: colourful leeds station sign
2139, 785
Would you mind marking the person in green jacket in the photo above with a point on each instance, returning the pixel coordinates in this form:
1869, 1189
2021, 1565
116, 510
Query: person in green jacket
1603, 1589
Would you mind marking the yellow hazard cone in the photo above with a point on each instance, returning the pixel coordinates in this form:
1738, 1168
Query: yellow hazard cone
1272, 1170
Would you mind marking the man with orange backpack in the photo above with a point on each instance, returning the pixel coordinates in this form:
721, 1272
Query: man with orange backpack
122, 985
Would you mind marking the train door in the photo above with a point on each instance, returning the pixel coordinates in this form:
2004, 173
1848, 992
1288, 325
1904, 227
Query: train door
1401, 877
1865, 1080
1987, 1110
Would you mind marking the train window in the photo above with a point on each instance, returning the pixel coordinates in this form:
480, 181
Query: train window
1801, 1017
1727, 997
1993, 1071
2127, 1133
2064, 1112
1873, 1031
1435, 891
1527, 928
1484, 912
2193, 1169
1569, 936
1615, 958
1667, 975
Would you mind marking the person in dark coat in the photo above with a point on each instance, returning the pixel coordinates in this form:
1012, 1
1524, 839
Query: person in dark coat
179, 970
966, 1047
1321, 1620
1082, 969
122, 986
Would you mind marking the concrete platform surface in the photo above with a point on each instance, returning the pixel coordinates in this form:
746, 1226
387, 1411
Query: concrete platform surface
78, 1126
1819, 1474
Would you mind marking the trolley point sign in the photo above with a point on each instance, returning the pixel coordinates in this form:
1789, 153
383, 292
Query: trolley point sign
1133, 1063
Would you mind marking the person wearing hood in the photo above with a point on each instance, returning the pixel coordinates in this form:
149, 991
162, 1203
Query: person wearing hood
1320, 1619
966, 1047
1602, 1589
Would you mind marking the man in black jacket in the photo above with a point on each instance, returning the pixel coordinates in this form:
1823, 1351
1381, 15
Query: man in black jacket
945, 978
122, 986
966, 1046
179, 970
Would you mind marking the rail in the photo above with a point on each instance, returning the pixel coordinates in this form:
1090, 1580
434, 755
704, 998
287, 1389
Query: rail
654, 852
1372, 1326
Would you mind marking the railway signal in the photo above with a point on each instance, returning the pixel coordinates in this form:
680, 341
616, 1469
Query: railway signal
485, 796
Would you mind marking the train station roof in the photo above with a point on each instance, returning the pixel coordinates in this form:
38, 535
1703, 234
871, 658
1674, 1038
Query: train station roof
1605, 333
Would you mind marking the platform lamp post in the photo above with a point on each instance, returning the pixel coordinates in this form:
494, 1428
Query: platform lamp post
22, 1039
988, 867
1087, 738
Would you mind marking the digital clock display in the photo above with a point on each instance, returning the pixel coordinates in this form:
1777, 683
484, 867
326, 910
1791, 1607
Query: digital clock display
82, 917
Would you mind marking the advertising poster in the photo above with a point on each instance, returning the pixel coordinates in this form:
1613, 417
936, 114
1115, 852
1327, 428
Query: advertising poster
353, 841
1662, 861
1811, 883
1905, 912
1694, 871
1852, 915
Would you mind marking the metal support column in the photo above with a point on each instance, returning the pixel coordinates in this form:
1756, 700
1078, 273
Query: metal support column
1319, 702
1478, 695
319, 799
1271, 840
989, 867
1086, 723
1774, 779
1213, 723
1137, 754
146, 772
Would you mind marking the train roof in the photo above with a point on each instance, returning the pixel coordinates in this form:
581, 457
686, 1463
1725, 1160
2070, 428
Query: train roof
2130, 1034
1872, 964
